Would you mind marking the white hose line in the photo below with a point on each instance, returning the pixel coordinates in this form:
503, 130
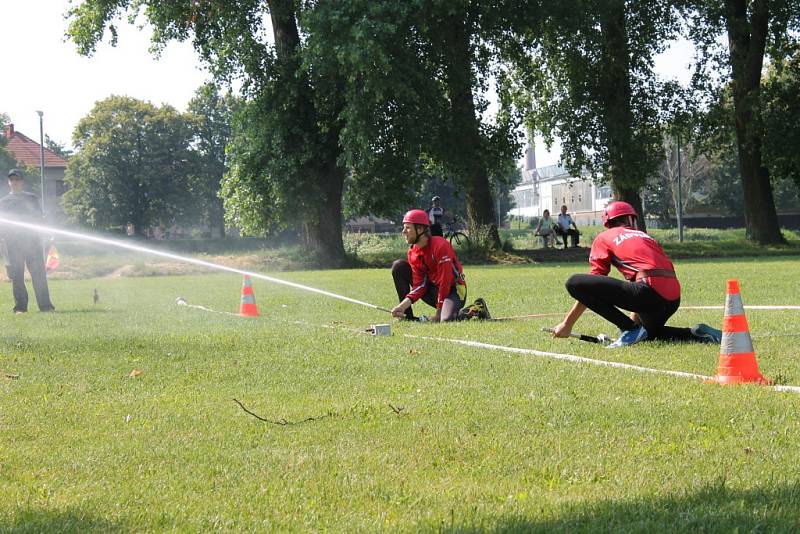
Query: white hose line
788, 389
581, 359
182, 302
515, 350
559, 356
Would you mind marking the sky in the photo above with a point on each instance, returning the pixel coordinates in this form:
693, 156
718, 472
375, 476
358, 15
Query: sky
48, 74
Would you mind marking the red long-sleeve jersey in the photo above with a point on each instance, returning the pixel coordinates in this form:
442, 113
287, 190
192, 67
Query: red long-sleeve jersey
631, 251
435, 263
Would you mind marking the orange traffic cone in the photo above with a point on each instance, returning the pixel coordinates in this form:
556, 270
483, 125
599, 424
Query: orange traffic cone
53, 259
737, 361
248, 306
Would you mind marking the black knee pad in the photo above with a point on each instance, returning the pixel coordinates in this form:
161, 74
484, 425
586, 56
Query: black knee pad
573, 283
400, 266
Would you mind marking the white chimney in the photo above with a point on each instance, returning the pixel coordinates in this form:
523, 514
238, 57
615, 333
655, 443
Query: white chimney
530, 157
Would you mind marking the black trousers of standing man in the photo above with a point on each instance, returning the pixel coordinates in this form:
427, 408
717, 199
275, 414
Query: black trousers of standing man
30, 252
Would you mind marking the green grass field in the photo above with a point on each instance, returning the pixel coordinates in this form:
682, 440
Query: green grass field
406, 434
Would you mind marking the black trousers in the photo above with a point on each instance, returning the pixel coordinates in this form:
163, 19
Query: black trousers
401, 274
605, 296
571, 232
30, 252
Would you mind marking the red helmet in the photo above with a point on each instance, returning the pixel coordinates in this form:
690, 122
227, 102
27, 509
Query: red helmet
617, 209
417, 217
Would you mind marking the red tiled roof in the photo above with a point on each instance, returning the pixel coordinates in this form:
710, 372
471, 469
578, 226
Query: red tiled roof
27, 151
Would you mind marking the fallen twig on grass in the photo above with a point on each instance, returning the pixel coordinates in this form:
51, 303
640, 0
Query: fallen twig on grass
283, 422
11, 376
396, 410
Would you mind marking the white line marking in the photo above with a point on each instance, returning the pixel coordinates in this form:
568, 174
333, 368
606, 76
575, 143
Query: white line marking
558, 356
203, 308
581, 359
516, 350
757, 307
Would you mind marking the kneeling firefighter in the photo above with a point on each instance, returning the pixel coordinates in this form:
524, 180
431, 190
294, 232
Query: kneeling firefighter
432, 273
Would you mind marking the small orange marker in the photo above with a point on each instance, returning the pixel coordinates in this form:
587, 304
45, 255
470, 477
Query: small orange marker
248, 306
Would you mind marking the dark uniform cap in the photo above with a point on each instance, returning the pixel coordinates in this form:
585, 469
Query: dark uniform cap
15, 172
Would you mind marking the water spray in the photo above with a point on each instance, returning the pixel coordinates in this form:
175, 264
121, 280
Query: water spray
121, 244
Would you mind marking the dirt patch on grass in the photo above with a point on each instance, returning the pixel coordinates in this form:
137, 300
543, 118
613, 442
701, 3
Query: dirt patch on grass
555, 255
80, 268
178, 268
119, 272
154, 269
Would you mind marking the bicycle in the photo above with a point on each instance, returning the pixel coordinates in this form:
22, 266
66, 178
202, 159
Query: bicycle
456, 237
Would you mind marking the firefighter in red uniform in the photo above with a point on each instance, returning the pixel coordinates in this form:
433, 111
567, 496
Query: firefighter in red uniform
651, 290
431, 273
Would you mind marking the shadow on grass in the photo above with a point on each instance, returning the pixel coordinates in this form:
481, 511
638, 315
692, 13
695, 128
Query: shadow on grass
714, 508
72, 520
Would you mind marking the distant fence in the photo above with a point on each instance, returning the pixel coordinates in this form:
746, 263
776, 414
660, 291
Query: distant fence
789, 220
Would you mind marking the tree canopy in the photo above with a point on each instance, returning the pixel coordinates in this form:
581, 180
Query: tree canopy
211, 112
354, 95
782, 119
350, 107
755, 30
131, 165
584, 73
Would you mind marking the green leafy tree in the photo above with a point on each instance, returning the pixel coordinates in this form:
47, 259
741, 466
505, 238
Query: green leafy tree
726, 193
755, 30
306, 125
284, 155
584, 73
725, 183
417, 73
131, 166
781, 96
212, 112
57, 148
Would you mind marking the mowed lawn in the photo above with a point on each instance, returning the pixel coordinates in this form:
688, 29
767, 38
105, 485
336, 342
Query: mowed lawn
393, 434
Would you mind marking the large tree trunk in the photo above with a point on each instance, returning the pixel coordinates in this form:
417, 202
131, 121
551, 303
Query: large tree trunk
216, 218
625, 175
747, 41
323, 231
325, 236
632, 197
466, 129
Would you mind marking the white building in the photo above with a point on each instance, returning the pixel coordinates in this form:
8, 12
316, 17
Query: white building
549, 188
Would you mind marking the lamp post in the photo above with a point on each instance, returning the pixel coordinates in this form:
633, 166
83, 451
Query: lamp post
679, 211
41, 153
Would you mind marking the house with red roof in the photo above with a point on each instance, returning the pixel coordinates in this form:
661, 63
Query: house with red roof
27, 152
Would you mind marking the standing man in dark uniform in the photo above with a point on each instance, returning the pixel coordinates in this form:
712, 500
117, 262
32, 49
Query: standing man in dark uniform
23, 247
650, 290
